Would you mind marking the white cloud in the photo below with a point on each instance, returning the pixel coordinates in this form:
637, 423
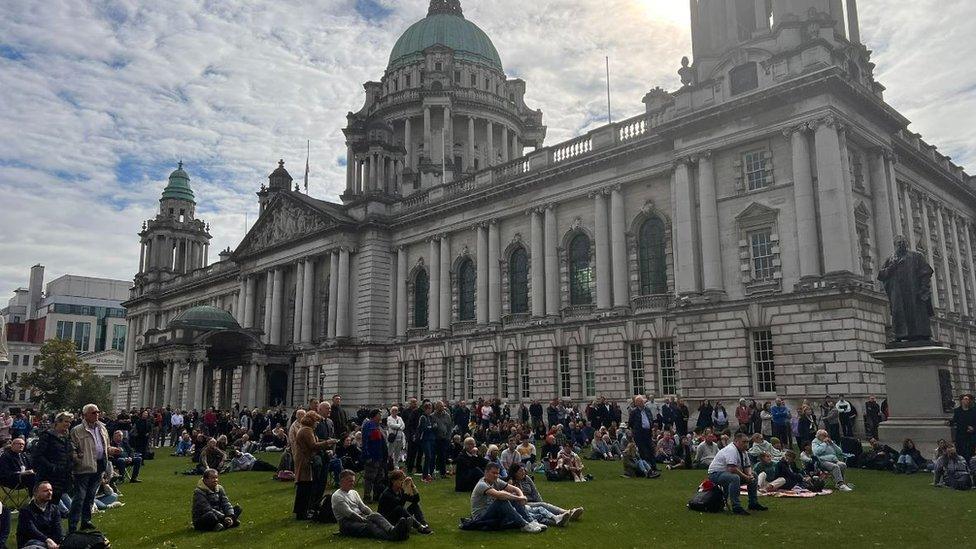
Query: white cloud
99, 99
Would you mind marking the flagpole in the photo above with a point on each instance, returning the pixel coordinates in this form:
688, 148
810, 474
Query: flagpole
308, 153
443, 156
609, 116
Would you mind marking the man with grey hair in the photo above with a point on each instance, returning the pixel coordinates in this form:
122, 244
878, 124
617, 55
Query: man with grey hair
93, 451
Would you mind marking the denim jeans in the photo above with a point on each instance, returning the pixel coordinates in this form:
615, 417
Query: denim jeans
428, 447
82, 498
502, 514
731, 483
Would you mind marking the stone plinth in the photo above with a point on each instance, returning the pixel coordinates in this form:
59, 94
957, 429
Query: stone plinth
915, 396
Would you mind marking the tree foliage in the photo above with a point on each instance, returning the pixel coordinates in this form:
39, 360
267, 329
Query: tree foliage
62, 381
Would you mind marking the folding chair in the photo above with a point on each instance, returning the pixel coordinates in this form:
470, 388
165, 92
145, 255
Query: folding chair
15, 497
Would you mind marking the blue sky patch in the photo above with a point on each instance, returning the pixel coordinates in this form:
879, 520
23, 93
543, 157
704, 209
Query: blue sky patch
9, 52
372, 10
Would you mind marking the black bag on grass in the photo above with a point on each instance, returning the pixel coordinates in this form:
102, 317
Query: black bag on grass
91, 539
323, 513
708, 499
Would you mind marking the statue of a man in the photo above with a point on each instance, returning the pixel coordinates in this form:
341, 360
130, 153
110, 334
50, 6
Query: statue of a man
4, 352
907, 281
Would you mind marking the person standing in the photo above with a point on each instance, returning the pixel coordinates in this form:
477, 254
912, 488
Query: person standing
442, 432
339, 417
781, 417
640, 424
847, 413
411, 418
462, 418
964, 421
374, 457
304, 448
92, 451
395, 437
872, 417
427, 436
53, 457
176, 427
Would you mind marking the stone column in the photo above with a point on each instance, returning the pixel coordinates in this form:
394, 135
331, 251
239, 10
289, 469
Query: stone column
427, 137
516, 147
929, 256
143, 383
618, 244
853, 28
359, 175
296, 335
550, 258
943, 251
505, 150
408, 142
835, 217
252, 385
241, 298
401, 293
142, 256
909, 217
967, 228
198, 386
268, 295
537, 269
711, 246
490, 154
333, 294
308, 300
881, 206
762, 22
804, 203
276, 305
434, 290
602, 233
686, 262
342, 307
262, 400
249, 304
381, 176
481, 310
174, 395
445, 299
960, 272
469, 161
373, 170
167, 372
448, 135
494, 274
350, 170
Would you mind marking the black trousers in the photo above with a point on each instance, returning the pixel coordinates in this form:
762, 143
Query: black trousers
208, 522
411, 511
375, 527
307, 495
413, 453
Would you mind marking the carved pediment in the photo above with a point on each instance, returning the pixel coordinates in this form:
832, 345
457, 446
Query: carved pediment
756, 212
284, 221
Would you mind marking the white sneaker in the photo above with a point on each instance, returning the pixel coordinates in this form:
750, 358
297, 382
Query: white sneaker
845, 488
532, 528
576, 513
562, 519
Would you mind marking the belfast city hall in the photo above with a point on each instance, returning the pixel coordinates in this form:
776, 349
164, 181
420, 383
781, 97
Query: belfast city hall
725, 243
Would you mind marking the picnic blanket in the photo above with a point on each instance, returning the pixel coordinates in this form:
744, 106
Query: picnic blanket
795, 493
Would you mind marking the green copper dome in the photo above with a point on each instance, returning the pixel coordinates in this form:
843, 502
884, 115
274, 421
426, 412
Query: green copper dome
206, 318
179, 186
446, 27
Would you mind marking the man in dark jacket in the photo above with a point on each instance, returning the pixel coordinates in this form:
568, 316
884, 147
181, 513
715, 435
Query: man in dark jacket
39, 522
127, 457
964, 420
411, 417
442, 432
402, 500
461, 415
640, 424
339, 417
52, 457
15, 472
212, 511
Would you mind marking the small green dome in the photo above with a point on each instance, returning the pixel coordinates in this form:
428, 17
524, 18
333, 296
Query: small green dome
447, 28
206, 318
179, 186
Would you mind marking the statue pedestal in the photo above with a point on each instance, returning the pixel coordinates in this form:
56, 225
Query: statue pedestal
917, 396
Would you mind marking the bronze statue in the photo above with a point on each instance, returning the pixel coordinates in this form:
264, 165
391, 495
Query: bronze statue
907, 281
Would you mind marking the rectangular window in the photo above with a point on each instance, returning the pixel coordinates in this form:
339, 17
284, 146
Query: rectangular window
118, 337
589, 371
523, 368
438, 66
474, 80
65, 330
82, 335
669, 370
408, 80
403, 382
16, 360
468, 378
757, 173
762, 361
37, 360
421, 393
761, 250
502, 362
449, 379
565, 377
636, 369
457, 76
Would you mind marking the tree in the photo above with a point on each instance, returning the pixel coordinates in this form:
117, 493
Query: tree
62, 381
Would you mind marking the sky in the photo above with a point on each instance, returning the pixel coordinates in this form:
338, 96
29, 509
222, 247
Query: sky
99, 99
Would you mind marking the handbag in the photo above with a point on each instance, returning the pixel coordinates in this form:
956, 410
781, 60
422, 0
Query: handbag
91, 539
392, 436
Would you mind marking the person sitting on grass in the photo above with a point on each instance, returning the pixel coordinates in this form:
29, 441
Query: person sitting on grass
39, 522
705, 452
600, 449
762, 446
951, 471
212, 511
498, 505
526, 451
880, 457
184, 446
359, 521
402, 500
807, 458
493, 456
544, 513
569, 464
664, 451
470, 467
730, 469
787, 472
212, 457
766, 474
510, 454
830, 458
910, 460
634, 466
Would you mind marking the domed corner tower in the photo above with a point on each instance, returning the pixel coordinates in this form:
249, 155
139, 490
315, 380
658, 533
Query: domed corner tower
443, 109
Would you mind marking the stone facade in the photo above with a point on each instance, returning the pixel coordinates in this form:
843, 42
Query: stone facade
724, 244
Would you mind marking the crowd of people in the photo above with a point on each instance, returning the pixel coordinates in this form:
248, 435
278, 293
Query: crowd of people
494, 452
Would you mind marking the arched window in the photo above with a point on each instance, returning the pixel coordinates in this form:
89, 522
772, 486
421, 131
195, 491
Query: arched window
651, 255
421, 290
467, 279
518, 281
580, 271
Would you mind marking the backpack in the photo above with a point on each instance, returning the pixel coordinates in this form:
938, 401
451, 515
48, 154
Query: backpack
91, 539
323, 513
816, 484
710, 498
959, 481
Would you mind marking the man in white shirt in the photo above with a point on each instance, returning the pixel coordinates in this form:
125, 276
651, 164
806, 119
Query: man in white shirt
730, 469
359, 521
176, 425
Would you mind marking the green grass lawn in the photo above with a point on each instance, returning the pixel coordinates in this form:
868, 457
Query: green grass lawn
883, 510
